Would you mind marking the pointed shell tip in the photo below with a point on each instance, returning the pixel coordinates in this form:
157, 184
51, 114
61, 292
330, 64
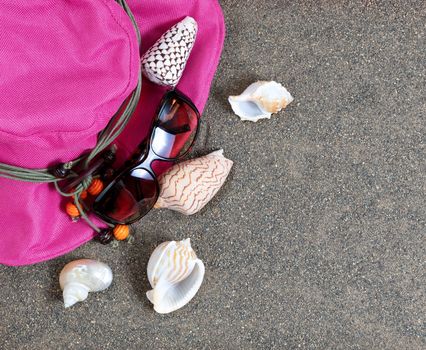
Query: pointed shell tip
218, 152
188, 20
69, 301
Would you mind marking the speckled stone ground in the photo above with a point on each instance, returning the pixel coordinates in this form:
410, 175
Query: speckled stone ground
317, 241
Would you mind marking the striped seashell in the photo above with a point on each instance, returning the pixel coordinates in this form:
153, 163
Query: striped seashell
260, 100
175, 274
188, 186
165, 61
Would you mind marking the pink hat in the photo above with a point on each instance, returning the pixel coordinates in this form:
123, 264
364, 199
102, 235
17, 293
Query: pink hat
66, 67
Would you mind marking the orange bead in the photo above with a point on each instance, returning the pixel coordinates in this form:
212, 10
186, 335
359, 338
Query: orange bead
72, 210
95, 187
121, 232
83, 195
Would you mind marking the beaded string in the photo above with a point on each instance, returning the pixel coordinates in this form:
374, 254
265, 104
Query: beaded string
105, 138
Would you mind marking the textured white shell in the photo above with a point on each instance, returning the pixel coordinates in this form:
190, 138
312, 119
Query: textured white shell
260, 100
80, 277
188, 186
175, 274
165, 61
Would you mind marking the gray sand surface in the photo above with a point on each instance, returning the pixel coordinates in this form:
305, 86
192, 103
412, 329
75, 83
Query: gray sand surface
317, 240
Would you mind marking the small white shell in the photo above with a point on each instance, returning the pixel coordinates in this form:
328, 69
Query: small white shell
80, 277
175, 274
165, 61
260, 100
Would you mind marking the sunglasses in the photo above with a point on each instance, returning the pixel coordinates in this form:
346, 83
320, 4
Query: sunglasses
134, 191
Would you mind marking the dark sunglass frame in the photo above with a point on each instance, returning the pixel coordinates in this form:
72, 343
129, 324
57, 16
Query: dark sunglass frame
145, 156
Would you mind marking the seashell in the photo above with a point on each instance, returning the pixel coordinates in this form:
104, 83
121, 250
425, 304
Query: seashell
175, 274
80, 277
188, 186
260, 100
165, 61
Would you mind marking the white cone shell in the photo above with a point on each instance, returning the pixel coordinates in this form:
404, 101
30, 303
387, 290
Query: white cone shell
188, 186
80, 277
175, 274
165, 61
260, 100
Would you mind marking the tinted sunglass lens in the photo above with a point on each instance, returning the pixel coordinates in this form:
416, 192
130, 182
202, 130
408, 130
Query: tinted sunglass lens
129, 198
176, 129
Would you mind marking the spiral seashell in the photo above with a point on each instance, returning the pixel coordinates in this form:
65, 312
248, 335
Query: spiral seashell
175, 274
188, 186
260, 100
80, 277
165, 61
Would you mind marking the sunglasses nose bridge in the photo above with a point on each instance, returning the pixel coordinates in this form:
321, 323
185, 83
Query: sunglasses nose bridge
147, 162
